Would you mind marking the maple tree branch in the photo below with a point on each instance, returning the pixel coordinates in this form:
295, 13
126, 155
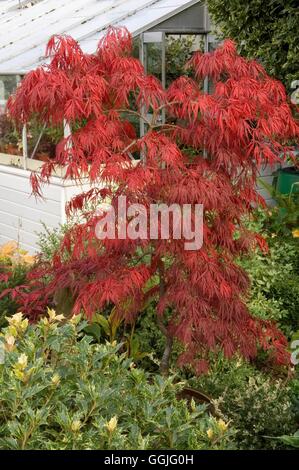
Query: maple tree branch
168, 126
134, 113
126, 149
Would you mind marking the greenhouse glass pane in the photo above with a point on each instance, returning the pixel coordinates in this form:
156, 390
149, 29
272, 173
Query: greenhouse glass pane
8, 84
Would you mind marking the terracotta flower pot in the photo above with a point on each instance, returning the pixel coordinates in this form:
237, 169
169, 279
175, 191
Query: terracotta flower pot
12, 149
43, 157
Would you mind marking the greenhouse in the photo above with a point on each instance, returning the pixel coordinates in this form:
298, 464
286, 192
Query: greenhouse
148, 21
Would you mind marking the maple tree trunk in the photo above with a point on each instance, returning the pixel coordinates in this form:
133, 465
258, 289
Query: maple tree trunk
164, 366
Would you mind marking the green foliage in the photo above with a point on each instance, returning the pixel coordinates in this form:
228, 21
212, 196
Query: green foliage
275, 283
267, 31
8, 306
257, 405
8, 132
48, 137
149, 335
274, 276
59, 390
292, 441
49, 241
178, 52
111, 327
259, 409
284, 218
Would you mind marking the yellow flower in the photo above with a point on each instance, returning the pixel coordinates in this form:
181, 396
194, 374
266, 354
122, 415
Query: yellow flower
295, 233
55, 379
193, 405
9, 342
76, 425
28, 259
222, 425
53, 317
24, 324
76, 319
210, 433
16, 319
17, 324
19, 374
22, 361
112, 424
8, 249
12, 331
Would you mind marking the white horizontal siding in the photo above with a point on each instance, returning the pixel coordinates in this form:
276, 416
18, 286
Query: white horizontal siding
22, 215
21, 183
25, 246
9, 232
25, 199
12, 220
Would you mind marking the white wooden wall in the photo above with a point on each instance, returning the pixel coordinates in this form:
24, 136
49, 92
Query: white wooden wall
22, 215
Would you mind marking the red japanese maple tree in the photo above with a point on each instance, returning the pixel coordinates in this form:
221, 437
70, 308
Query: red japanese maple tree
209, 151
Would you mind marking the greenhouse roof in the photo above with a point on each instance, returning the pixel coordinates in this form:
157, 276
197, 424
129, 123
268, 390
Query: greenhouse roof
27, 25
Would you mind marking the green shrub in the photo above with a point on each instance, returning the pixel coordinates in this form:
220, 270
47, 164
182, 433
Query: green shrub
274, 277
150, 337
260, 409
8, 306
59, 390
258, 405
14, 265
267, 31
49, 240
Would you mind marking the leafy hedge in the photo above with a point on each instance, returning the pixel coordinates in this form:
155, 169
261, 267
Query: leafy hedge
260, 406
267, 31
275, 275
59, 390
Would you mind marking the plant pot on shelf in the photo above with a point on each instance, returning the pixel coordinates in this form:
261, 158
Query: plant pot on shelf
42, 156
11, 149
